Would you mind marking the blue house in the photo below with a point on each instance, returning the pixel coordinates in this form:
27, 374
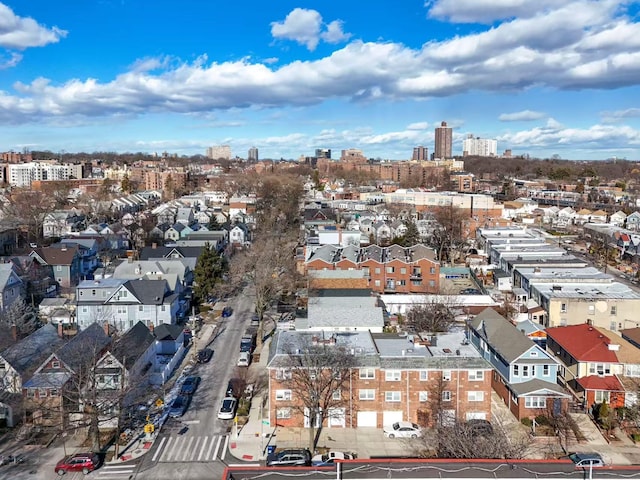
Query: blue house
526, 375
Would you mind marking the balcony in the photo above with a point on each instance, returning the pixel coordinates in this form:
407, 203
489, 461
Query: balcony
416, 276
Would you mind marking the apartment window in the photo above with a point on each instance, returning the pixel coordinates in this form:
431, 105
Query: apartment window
476, 375
516, 370
336, 395
53, 392
446, 396
423, 396
545, 370
614, 310
283, 413
376, 283
367, 373
377, 270
59, 268
141, 308
432, 270
392, 375
446, 375
55, 364
401, 283
283, 394
535, 402
416, 283
592, 309
424, 375
629, 370
475, 396
432, 283
283, 374
367, 394
122, 310
403, 271
602, 396
85, 309
390, 269
612, 326
31, 393
392, 396
533, 353
563, 308
163, 308
42, 392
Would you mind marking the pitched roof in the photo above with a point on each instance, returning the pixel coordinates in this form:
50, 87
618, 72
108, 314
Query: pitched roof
501, 334
583, 342
148, 292
86, 346
57, 256
132, 344
596, 382
149, 253
536, 385
27, 354
6, 272
167, 331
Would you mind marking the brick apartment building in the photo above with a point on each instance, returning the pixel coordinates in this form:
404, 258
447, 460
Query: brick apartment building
396, 378
392, 269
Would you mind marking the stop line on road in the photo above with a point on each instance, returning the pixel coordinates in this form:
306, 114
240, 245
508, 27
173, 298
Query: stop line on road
116, 472
191, 449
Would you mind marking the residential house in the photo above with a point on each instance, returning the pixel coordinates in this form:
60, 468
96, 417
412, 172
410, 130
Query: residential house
17, 364
382, 232
122, 373
525, 374
594, 363
59, 390
169, 352
11, 286
64, 263
88, 248
633, 221
394, 378
239, 234
582, 216
158, 232
62, 222
123, 303
174, 232
185, 216
36, 278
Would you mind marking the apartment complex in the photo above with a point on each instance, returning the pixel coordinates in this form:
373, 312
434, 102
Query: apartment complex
420, 153
219, 151
23, 174
394, 378
252, 156
476, 146
392, 269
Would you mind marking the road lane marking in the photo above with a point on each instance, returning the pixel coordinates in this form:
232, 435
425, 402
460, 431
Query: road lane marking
195, 450
191, 422
204, 445
215, 454
213, 441
169, 453
186, 450
155, 455
225, 448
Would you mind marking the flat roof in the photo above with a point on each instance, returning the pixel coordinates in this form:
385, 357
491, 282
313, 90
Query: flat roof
592, 291
542, 274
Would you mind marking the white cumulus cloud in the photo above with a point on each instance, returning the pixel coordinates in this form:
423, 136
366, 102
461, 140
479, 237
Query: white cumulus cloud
20, 33
306, 27
522, 116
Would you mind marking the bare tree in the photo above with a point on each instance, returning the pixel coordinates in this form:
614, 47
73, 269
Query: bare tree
433, 313
21, 315
319, 379
450, 234
27, 209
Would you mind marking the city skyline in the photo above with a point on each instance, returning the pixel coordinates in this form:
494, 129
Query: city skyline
545, 78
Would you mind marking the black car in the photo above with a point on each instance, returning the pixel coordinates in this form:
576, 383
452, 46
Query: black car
231, 388
293, 457
179, 406
227, 311
190, 385
205, 355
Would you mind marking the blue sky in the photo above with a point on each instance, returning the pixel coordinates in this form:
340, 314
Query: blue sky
543, 77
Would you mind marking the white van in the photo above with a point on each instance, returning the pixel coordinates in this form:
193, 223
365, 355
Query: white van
244, 359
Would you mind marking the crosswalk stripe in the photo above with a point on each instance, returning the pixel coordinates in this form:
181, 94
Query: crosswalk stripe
215, 454
204, 444
175, 444
195, 449
226, 446
155, 455
187, 450
213, 441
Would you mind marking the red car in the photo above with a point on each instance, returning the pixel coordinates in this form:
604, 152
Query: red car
79, 462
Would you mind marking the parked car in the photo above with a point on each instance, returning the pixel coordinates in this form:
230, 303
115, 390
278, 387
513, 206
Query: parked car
79, 462
227, 311
479, 427
190, 385
228, 408
255, 320
205, 355
403, 430
179, 406
330, 458
9, 459
294, 457
587, 459
244, 360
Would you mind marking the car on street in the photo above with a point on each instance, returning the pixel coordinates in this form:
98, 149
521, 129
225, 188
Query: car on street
293, 457
227, 311
244, 359
78, 462
190, 385
587, 459
329, 458
179, 406
205, 355
403, 430
227, 408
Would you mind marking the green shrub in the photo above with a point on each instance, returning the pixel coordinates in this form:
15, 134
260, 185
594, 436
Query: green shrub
526, 422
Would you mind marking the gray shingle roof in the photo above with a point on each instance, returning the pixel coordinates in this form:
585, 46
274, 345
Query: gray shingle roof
27, 354
149, 292
167, 332
536, 385
86, 347
501, 334
132, 344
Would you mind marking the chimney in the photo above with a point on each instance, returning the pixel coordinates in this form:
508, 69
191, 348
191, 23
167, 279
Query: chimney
60, 332
14, 332
107, 328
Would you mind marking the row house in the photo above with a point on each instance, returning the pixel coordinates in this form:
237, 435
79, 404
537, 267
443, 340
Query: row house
597, 364
394, 378
11, 286
123, 303
64, 263
524, 375
392, 269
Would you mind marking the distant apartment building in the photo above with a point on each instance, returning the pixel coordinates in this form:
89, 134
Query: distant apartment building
219, 151
323, 153
443, 141
352, 155
157, 179
392, 269
15, 157
476, 146
22, 174
252, 156
420, 153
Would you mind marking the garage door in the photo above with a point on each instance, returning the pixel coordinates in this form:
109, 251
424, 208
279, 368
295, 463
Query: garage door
390, 417
367, 419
